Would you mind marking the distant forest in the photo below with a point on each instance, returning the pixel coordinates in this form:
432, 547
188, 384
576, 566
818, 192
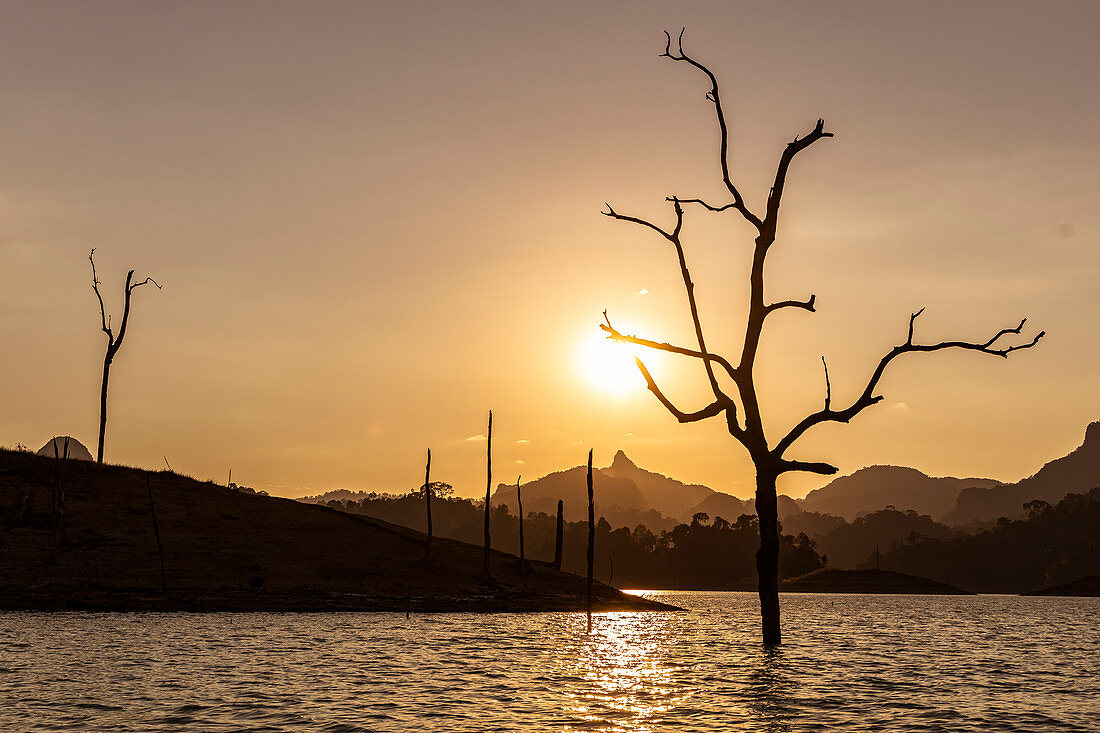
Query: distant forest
705, 554
1054, 544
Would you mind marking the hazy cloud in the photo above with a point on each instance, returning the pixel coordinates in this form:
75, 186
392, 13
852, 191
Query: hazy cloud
1066, 229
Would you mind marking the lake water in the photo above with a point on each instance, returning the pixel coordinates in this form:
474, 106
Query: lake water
852, 663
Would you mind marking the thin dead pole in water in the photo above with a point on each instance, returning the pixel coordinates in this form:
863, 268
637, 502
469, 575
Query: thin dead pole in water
519, 500
428, 504
591, 542
560, 538
156, 533
488, 487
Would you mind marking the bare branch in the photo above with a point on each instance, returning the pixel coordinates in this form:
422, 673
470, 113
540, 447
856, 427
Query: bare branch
635, 220
804, 304
146, 281
129, 290
912, 320
614, 335
709, 411
828, 385
868, 398
723, 157
986, 347
793, 148
825, 469
704, 204
106, 328
689, 286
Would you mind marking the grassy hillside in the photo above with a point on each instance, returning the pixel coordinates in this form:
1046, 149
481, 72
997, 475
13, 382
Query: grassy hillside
224, 549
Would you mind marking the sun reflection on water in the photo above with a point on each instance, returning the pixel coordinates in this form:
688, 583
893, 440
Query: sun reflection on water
627, 681
644, 672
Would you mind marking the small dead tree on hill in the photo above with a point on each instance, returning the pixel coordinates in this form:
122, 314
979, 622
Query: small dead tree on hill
114, 340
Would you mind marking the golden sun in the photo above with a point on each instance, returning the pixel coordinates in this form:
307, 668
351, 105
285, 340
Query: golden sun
609, 366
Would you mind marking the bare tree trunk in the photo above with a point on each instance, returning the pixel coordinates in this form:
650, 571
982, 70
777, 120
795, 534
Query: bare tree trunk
767, 557
591, 543
560, 537
428, 503
488, 487
103, 408
114, 341
519, 500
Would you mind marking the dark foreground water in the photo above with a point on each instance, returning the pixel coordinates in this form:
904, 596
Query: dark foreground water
852, 663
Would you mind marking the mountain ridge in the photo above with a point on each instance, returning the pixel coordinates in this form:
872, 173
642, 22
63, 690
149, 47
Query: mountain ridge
875, 487
1078, 470
629, 495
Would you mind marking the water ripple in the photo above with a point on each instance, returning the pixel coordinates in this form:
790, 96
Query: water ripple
857, 663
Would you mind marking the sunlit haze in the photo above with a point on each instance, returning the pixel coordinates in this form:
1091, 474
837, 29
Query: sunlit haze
375, 222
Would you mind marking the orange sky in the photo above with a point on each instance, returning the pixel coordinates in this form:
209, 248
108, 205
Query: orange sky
373, 222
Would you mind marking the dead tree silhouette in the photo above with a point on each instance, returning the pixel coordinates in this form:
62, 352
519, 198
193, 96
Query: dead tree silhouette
747, 427
428, 506
522, 565
114, 342
428, 489
591, 543
559, 536
488, 488
519, 502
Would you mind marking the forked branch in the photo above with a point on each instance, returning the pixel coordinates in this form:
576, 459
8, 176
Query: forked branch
689, 287
106, 326
868, 397
709, 411
670, 236
723, 154
114, 343
793, 148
